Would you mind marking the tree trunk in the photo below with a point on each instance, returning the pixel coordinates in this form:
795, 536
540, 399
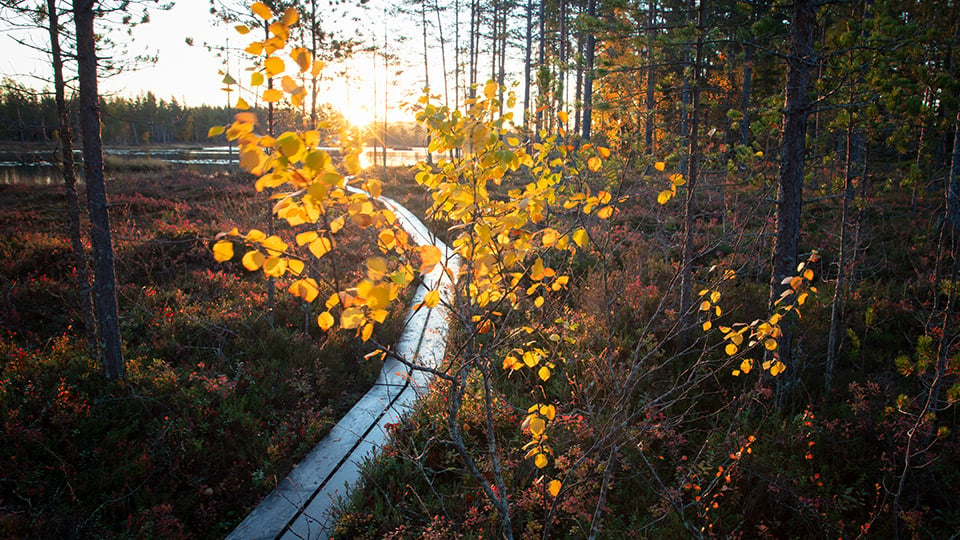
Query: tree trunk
790, 186
686, 273
527, 60
70, 181
541, 59
651, 81
745, 94
104, 284
953, 185
588, 77
313, 76
843, 261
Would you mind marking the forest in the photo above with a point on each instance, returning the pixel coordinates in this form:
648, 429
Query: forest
702, 258
28, 120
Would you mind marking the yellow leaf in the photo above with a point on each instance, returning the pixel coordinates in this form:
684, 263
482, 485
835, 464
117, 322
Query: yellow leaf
306, 237
705, 305
594, 164
746, 365
736, 373
352, 163
290, 17
325, 320
531, 358
223, 251
374, 187
431, 299
387, 239
295, 266
290, 144
802, 298
253, 260
274, 245
351, 318
537, 426
538, 302
664, 196
549, 411
660, 166
554, 487
808, 274
274, 65
378, 297
563, 116
580, 237
777, 368
274, 266
707, 325
605, 212
541, 460
730, 349
376, 268
320, 247
261, 10
305, 288
367, 332
289, 85
549, 237
491, 89
242, 29
770, 344
255, 48
216, 130
537, 271
543, 373
430, 256
242, 104
715, 296
256, 79
272, 95
333, 300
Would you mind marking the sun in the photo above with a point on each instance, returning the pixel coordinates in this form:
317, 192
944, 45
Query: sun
359, 115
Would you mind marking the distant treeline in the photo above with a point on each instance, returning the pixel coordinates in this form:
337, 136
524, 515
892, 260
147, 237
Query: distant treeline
29, 116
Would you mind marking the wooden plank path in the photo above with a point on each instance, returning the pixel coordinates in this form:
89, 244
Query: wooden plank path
301, 506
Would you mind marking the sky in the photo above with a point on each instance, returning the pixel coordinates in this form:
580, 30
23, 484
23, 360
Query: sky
190, 73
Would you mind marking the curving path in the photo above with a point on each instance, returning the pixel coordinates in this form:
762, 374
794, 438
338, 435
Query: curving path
301, 506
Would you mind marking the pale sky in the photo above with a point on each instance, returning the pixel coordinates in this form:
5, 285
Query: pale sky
190, 73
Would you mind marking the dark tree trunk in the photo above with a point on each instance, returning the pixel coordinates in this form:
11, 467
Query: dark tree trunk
651, 81
104, 284
541, 59
588, 77
745, 94
527, 60
953, 186
686, 274
790, 187
70, 181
